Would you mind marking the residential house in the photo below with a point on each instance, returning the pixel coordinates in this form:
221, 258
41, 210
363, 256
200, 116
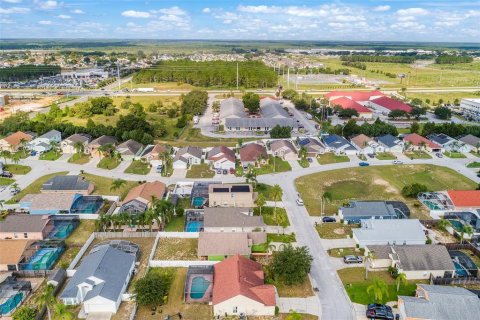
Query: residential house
130, 150
14, 141
366, 145
217, 246
284, 149
61, 203
339, 145
186, 156
465, 200
154, 152
45, 141
390, 143
140, 198
69, 144
313, 146
95, 145
415, 141
472, 141
68, 184
222, 158
356, 211
26, 226
231, 195
346, 103
440, 303
389, 231
239, 288
231, 220
13, 253
253, 154
100, 280
417, 262
448, 143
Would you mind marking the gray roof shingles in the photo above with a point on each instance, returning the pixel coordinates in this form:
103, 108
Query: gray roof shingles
230, 217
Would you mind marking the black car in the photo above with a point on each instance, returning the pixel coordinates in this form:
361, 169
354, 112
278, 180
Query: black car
379, 311
328, 219
6, 174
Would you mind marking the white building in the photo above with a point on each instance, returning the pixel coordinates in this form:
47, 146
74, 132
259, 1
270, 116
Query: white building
471, 108
44, 142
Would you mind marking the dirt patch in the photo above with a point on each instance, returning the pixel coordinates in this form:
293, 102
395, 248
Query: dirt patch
339, 231
384, 183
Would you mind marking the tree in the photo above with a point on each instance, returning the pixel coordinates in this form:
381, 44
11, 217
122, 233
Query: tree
379, 289
152, 290
401, 279
62, 313
46, 298
251, 176
291, 265
251, 101
276, 193
25, 313
443, 113
5, 154
107, 150
394, 114
326, 197
302, 153
293, 315
369, 261
466, 229
163, 210
443, 224
279, 132
117, 184
261, 201
348, 113
412, 190
79, 147
415, 127
167, 159
54, 146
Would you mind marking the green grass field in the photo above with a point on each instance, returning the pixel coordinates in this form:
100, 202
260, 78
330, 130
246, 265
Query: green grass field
342, 252
6, 181
138, 167
79, 158
50, 155
108, 163
418, 155
17, 169
376, 183
385, 156
304, 163
274, 165
269, 218
328, 158
103, 184
333, 230
454, 155
200, 171
474, 164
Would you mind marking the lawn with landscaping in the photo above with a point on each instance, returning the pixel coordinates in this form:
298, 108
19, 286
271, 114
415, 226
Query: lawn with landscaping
17, 169
138, 167
274, 165
200, 171
474, 164
385, 156
284, 238
176, 224
301, 290
342, 252
6, 181
176, 249
103, 185
50, 155
334, 230
356, 286
304, 163
328, 158
417, 155
79, 158
272, 219
454, 155
376, 182
108, 163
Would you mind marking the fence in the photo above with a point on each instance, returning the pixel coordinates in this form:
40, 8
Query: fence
184, 235
180, 263
457, 281
110, 235
463, 246
33, 273
80, 254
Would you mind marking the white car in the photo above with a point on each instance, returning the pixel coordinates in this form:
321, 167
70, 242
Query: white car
299, 202
397, 162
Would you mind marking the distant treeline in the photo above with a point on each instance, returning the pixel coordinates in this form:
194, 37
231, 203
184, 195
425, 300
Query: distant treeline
374, 58
210, 74
28, 72
451, 59
357, 65
58, 44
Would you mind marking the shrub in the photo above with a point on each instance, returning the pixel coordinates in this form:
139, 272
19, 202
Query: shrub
412, 190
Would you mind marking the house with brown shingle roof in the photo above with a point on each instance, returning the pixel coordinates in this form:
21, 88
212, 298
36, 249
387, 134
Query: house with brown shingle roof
154, 152
13, 253
26, 226
239, 288
139, 199
14, 141
216, 246
253, 154
366, 145
284, 149
99, 142
68, 144
222, 158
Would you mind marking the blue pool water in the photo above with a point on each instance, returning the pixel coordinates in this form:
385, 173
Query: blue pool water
459, 270
87, 205
199, 287
457, 225
61, 231
198, 202
193, 226
43, 259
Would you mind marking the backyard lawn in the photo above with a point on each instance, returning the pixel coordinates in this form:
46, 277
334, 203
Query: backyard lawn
385, 156
50, 155
374, 183
454, 155
35, 186
138, 167
79, 158
269, 217
17, 168
264, 189
75, 241
332, 230
200, 171
342, 252
328, 158
417, 155
108, 163
176, 249
274, 165
356, 286
176, 224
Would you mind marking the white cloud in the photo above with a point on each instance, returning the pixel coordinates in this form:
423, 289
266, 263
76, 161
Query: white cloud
381, 8
77, 11
131, 25
64, 16
46, 5
412, 12
171, 11
14, 10
206, 10
253, 9
45, 22
135, 14
12, 1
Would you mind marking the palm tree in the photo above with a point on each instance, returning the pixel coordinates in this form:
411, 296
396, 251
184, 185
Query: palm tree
379, 288
443, 224
251, 176
401, 279
5, 154
46, 298
276, 193
107, 150
326, 197
150, 218
117, 184
466, 229
261, 201
62, 312
167, 158
302, 153
163, 211
15, 158
422, 145
79, 147
54, 146
369, 261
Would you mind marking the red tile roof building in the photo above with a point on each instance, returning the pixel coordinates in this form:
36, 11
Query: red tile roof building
391, 104
347, 103
239, 288
417, 142
465, 198
354, 95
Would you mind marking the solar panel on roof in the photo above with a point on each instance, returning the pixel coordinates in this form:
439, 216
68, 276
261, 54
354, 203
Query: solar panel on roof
221, 190
240, 188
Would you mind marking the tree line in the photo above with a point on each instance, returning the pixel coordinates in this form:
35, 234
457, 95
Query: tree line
383, 59
452, 59
28, 72
252, 74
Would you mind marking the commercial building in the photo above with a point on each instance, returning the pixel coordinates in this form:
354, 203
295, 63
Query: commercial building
470, 109
346, 103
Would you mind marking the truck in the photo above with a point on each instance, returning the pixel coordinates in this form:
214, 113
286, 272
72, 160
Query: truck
145, 90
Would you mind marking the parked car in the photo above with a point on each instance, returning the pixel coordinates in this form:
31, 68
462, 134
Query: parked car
329, 219
352, 259
363, 164
299, 202
225, 171
370, 155
6, 174
439, 155
232, 171
397, 162
310, 160
379, 311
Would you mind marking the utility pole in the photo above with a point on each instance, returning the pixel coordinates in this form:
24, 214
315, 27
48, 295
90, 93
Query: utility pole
118, 75
288, 77
237, 75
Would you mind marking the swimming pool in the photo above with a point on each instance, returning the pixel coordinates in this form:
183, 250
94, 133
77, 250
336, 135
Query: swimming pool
460, 270
61, 231
199, 287
456, 224
87, 205
43, 259
193, 226
198, 202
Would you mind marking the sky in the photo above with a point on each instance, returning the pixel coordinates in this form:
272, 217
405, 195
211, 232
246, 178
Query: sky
374, 20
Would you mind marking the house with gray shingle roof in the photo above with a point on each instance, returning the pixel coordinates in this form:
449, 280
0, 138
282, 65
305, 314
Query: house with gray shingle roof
68, 145
94, 145
232, 108
439, 303
284, 149
68, 184
390, 143
358, 210
472, 141
186, 156
448, 143
100, 280
44, 142
130, 149
236, 219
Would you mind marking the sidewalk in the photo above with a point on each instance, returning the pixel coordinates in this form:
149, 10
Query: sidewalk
310, 305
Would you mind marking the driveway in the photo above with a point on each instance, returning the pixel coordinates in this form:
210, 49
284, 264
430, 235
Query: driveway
309, 305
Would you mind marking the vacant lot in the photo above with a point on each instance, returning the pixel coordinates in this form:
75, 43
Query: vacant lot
200, 171
176, 249
138, 167
335, 230
328, 158
376, 183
